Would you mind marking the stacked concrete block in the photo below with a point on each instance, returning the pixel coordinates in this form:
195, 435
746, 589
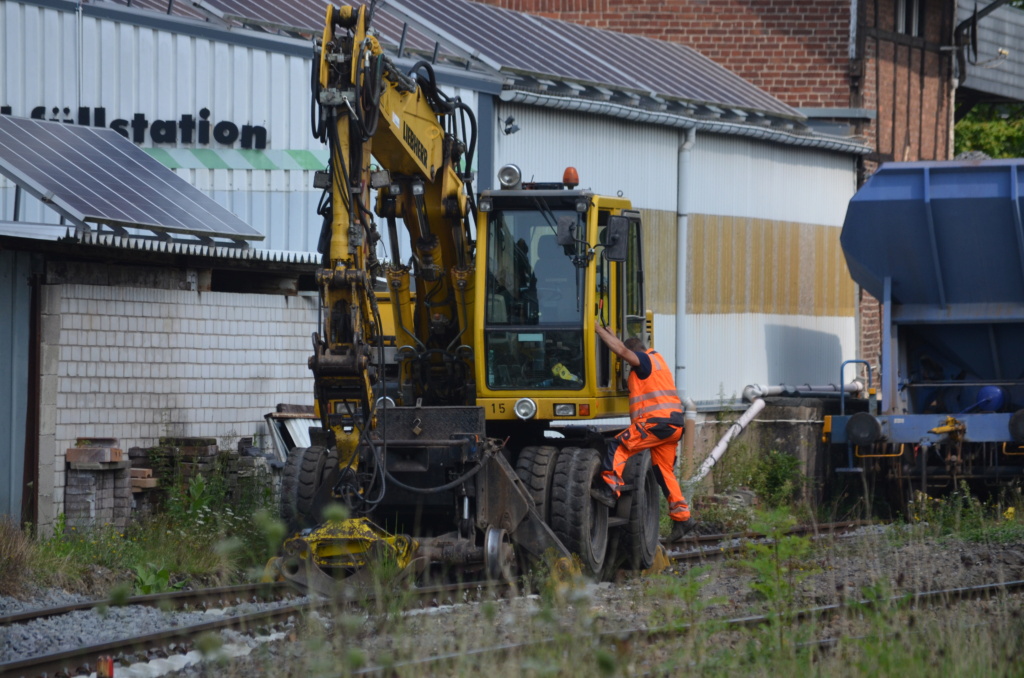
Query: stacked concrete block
98, 491
179, 459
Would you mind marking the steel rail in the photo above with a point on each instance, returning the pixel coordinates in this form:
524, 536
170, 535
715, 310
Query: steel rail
222, 595
81, 660
642, 634
702, 553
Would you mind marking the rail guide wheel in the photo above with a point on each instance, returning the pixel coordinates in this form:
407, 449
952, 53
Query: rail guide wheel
499, 555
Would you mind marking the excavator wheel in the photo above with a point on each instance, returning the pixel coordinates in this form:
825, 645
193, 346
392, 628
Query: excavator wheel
301, 478
536, 467
578, 520
641, 531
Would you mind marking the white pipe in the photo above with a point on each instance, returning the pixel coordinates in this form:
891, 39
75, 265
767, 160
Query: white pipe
723, 444
682, 228
689, 433
754, 391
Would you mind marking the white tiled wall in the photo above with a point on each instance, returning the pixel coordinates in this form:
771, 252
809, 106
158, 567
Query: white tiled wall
137, 364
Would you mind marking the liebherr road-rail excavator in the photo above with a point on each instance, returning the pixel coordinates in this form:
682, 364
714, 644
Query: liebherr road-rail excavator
459, 395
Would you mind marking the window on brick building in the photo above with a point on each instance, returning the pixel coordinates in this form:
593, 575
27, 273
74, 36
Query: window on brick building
910, 17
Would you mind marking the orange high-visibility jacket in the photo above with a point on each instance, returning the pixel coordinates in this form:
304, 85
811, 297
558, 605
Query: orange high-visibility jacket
656, 395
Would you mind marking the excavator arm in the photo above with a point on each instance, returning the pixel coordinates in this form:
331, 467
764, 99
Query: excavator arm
396, 133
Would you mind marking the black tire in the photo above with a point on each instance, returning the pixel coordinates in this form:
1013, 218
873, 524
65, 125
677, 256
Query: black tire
640, 541
289, 489
578, 520
303, 473
536, 468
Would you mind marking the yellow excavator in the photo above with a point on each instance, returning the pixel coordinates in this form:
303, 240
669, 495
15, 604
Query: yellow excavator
459, 386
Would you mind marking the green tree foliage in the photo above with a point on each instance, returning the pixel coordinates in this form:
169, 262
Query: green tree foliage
994, 129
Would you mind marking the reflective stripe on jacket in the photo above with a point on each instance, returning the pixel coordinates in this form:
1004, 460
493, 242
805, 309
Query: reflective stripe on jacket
656, 395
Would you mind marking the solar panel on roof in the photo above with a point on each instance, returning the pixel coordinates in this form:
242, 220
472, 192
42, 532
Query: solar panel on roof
91, 174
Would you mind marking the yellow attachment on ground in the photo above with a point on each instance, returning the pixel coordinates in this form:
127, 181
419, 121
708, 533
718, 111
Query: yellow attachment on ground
352, 544
661, 562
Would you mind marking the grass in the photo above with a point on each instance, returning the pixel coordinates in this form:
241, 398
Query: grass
206, 533
15, 554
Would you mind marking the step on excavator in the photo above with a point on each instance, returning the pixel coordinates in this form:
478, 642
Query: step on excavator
464, 403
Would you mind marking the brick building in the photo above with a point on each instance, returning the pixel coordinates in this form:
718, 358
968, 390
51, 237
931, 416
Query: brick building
880, 69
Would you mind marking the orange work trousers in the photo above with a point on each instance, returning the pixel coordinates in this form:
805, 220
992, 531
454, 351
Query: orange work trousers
638, 437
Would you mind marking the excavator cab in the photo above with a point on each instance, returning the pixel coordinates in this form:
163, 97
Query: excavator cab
552, 262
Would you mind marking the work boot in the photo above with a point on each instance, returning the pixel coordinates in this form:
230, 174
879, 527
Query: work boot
604, 494
680, 530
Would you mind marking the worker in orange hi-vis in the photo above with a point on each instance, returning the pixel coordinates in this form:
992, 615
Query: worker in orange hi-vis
656, 424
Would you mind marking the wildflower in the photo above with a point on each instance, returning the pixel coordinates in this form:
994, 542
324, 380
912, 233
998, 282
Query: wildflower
1009, 513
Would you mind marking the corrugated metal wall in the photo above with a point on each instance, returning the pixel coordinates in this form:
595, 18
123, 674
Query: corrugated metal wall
15, 305
769, 297
53, 59
741, 177
611, 155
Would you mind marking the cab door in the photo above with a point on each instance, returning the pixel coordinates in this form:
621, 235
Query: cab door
629, 289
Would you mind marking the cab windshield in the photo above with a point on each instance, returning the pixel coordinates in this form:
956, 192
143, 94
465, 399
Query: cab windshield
534, 302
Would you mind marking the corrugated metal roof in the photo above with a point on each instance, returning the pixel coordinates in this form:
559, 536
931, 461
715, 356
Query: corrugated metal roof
296, 17
522, 43
183, 9
198, 249
53, 233
34, 231
994, 72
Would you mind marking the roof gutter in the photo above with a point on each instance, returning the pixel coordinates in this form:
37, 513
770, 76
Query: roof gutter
818, 141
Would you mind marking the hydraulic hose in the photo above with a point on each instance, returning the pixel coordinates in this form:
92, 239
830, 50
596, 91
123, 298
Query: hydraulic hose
433, 490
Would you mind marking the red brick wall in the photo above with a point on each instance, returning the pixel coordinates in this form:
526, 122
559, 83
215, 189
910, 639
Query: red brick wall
795, 49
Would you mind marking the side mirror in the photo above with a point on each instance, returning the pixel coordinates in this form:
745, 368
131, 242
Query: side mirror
565, 235
616, 238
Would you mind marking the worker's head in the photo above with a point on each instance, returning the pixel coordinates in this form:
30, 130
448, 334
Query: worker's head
634, 344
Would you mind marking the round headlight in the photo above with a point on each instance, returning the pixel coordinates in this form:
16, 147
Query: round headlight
525, 408
509, 176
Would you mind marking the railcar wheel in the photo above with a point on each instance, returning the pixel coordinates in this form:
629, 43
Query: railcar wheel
536, 468
578, 520
499, 555
303, 474
641, 532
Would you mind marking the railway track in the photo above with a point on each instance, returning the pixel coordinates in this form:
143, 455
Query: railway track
638, 637
713, 546
82, 660
222, 596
